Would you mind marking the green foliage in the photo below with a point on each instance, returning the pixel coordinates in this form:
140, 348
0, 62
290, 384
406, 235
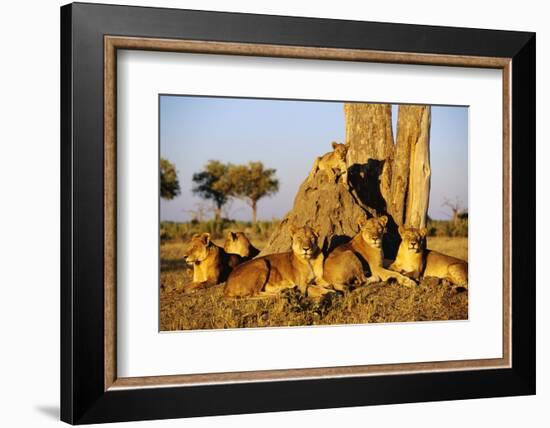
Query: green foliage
206, 184
169, 184
452, 228
248, 182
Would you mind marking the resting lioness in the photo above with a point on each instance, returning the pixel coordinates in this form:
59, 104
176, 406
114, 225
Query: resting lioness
211, 264
345, 266
333, 163
238, 243
415, 260
270, 274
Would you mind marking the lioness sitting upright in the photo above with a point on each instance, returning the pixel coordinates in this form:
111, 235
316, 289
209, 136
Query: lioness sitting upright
238, 243
333, 163
211, 264
345, 266
415, 260
302, 267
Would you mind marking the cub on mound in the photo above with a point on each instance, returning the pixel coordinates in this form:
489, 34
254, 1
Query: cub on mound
302, 267
415, 260
333, 163
211, 264
346, 265
238, 243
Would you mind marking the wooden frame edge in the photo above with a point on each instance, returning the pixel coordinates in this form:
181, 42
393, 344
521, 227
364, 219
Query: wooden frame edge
112, 43
110, 214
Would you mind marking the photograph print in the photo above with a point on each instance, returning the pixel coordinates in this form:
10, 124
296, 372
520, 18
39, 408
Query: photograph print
282, 213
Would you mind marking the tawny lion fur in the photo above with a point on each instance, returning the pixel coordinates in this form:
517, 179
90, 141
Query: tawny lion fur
301, 267
211, 264
333, 163
416, 261
345, 266
238, 243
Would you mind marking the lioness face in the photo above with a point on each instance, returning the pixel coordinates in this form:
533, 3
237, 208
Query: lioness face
197, 251
341, 150
413, 239
236, 243
304, 242
372, 230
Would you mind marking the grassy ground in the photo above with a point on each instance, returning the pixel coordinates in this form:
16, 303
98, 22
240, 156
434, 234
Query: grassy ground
383, 302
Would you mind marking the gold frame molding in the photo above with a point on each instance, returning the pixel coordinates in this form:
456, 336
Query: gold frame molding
113, 43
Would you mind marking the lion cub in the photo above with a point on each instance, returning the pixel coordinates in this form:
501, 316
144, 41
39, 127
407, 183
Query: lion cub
211, 264
270, 274
345, 266
333, 163
238, 243
415, 260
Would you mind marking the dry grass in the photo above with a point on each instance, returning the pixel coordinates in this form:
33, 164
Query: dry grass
456, 247
383, 302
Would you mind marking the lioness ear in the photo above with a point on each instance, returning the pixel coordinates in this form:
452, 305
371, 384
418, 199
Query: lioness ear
292, 229
423, 232
383, 220
334, 144
205, 237
361, 220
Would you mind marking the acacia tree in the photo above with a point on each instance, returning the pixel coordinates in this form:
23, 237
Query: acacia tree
457, 212
169, 184
206, 185
249, 183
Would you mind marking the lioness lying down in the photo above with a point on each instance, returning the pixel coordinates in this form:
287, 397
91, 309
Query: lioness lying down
415, 260
238, 243
345, 266
302, 267
211, 264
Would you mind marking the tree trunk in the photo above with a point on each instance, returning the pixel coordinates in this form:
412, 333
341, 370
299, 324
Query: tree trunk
418, 195
217, 213
254, 210
328, 206
406, 125
369, 159
332, 207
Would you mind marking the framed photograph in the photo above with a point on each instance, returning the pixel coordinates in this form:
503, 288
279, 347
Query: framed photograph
266, 213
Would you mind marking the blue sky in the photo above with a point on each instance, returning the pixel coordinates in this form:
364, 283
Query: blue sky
288, 136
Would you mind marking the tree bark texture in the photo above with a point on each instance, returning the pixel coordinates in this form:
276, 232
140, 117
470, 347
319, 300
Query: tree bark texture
369, 159
383, 179
418, 195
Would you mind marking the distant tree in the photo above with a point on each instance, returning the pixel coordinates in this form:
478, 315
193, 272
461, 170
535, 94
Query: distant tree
206, 185
457, 211
249, 183
169, 184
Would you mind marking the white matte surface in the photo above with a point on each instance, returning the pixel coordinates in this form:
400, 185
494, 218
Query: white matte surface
143, 351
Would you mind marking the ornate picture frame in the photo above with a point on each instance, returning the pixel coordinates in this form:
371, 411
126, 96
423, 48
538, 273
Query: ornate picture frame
91, 389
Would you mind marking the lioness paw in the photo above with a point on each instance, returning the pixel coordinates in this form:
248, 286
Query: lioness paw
407, 282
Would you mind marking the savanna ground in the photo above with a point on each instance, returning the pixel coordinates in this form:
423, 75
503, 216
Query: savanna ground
376, 303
